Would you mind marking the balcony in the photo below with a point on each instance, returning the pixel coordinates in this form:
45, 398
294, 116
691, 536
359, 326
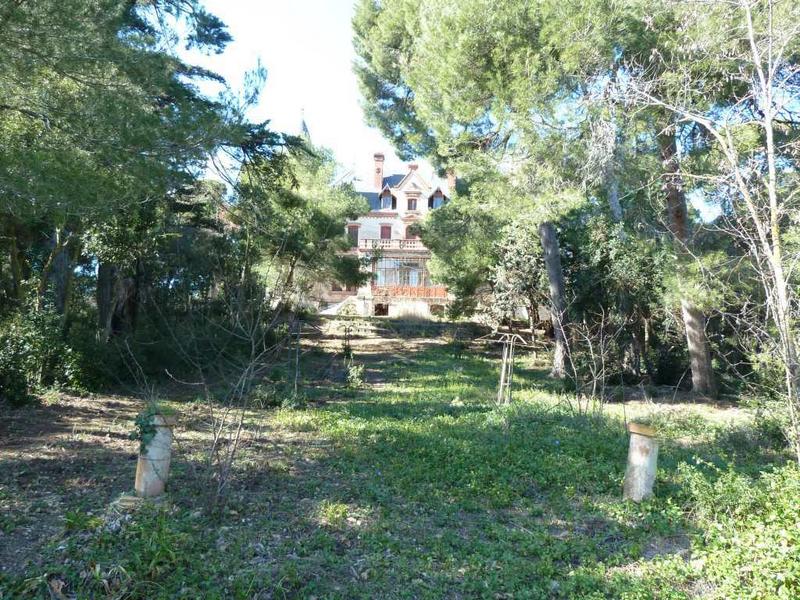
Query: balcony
428, 292
377, 244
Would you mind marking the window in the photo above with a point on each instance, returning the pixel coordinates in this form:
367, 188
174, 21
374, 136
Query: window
410, 235
436, 200
412, 204
411, 272
336, 286
388, 201
386, 232
352, 233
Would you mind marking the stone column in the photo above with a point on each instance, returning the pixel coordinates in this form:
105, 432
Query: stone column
152, 470
642, 457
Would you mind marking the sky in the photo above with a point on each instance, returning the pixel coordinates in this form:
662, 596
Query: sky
306, 48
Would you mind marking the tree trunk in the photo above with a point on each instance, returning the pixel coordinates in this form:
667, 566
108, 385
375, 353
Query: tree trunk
126, 302
700, 358
555, 277
61, 276
642, 335
693, 318
15, 259
104, 295
59, 245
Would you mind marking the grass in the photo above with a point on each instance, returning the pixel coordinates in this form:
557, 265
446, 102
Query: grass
419, 487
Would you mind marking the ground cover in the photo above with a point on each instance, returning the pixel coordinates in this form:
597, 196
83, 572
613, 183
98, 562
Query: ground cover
414, 486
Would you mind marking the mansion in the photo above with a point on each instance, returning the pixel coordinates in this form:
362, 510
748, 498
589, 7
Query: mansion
400, 285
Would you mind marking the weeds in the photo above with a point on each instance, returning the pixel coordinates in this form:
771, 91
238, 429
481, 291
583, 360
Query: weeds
422, 489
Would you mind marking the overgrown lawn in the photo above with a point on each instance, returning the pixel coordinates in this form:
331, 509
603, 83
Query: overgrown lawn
420, 487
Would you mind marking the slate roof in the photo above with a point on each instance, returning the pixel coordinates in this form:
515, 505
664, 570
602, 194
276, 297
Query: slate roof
373, 198
392, 180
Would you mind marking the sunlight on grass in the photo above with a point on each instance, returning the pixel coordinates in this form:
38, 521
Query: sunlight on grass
332, 514
422, 487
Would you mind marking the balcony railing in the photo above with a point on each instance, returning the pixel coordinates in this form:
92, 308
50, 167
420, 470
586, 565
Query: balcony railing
408, 291
376, 244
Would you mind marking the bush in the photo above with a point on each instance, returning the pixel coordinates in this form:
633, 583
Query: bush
33, 355
265, 396
13, 382
355, 375
294, 401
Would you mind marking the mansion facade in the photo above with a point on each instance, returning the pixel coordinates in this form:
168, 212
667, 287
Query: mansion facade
400, 285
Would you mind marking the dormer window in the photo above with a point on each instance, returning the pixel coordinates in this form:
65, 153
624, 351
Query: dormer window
388, 202
412, 204
436, 200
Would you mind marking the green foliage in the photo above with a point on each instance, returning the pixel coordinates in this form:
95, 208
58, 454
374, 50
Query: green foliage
105, 219
751, 529
13, 381
519, 278
333, 514
296, 216
144, 426
461, 236
34, 355
294, 400
520, 501
355, 375
265, 395
79, 521
144, 429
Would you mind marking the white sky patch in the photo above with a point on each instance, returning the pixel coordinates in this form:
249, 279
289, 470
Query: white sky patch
707, 209
306, 47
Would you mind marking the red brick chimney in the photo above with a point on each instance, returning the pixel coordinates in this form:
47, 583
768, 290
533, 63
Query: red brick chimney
451, 181
378, 171
413, 166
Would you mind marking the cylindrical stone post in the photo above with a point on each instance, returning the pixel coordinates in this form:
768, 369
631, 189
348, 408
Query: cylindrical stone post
642, 458
152, 470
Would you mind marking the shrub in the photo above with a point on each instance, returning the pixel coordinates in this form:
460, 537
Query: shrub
34, 355
294, 401
355, 375
13, 382
264, 396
